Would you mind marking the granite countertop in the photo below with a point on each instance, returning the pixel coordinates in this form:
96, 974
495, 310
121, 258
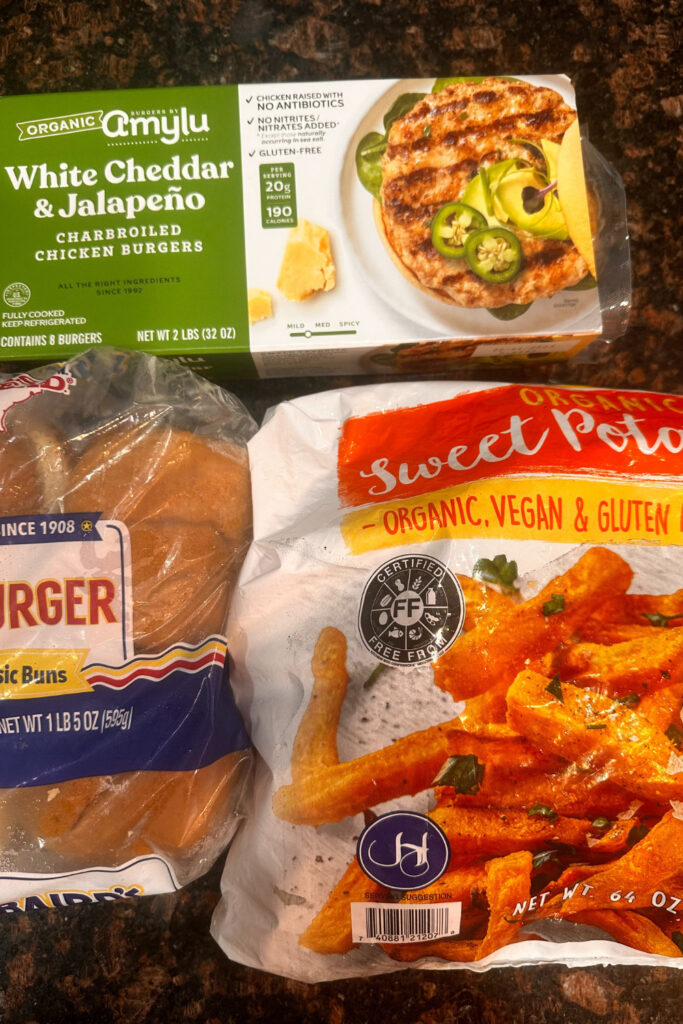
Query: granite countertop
154, 960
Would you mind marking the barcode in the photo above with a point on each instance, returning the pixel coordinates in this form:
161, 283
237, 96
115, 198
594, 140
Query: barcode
386, 922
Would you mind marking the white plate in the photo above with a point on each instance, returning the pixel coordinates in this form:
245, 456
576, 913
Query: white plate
578, 311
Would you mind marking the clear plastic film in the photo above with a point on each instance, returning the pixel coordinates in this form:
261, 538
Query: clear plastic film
610, 240
125, 512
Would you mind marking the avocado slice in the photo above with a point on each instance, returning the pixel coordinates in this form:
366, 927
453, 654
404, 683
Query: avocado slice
510, 195
481, 192
495, 173
478, 195
553, 224
551, 152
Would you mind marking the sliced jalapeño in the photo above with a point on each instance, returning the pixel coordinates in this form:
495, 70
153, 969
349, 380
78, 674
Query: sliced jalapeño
451, 226
494, 254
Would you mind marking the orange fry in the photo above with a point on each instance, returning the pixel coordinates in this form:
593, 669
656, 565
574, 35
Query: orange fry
463, 951
486, 714
636, 666
569, 792
330, 930
630, 929
315, 744
663, 707
652, 864
481, 601
598, 734
488, 832
634, 608
406, 767
499, 646
508, 882
596, 632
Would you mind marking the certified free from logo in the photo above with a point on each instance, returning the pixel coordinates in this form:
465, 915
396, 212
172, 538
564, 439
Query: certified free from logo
16, 294
403, 850
411, 611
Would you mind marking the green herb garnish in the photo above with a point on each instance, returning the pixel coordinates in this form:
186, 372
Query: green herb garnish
542, 811
555, 687
496, 570
463, 772
637, 833
601, 823
554, 605
539, 859
675, 735
374, 676
629, 699
657, 619
597, 725
427, 130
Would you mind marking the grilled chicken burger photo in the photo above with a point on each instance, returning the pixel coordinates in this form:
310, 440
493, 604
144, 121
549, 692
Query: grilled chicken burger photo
476, 193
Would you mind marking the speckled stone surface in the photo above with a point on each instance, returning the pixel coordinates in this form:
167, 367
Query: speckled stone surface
154, 961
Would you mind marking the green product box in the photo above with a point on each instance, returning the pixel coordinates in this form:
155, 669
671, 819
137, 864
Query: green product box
167, 219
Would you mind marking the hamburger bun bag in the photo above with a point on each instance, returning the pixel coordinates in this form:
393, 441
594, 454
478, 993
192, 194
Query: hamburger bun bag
125, 512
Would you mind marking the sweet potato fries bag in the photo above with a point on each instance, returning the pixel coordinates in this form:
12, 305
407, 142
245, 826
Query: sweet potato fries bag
458, 638
125, 512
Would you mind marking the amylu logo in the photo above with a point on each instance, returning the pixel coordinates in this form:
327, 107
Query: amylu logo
403, 850
24, 386
168, 126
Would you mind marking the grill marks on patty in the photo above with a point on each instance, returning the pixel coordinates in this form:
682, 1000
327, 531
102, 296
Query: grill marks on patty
509, 127
427, 175
432, 154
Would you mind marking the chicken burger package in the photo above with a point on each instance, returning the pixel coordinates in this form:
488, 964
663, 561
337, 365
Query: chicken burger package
458, 637
124, 515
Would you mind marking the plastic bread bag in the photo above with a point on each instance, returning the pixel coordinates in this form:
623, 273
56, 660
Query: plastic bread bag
458, 644
125, 513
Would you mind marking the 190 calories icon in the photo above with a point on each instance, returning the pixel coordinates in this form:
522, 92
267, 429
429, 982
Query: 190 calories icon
403, 850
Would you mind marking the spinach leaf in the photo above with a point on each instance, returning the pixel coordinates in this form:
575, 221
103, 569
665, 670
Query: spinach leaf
584, 285
509, 312
401, 105
442, 83
369, 161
